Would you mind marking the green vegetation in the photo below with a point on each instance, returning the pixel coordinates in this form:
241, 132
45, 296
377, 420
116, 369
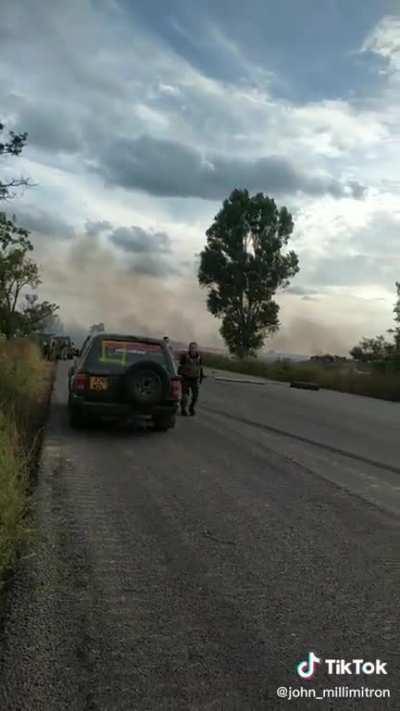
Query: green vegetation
344, 377
373, 372
21, 312
24, 377
243, 264
19, 316
379, 350
24, 387
11, 146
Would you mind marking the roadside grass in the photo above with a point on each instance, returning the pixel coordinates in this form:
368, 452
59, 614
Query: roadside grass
13, 497
341, 377
25, 381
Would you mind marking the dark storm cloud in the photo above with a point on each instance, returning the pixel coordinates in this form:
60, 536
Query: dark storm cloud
144, 252
44, 223
149, 252
82, 91
49, 128
136, 240
170, 169
62, 75
93, 229
86, 252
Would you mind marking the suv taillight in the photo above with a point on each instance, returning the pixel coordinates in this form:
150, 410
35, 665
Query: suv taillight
80, 382
176, 388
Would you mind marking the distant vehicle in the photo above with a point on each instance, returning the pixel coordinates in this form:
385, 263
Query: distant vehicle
119, 377
67, 348
62, 347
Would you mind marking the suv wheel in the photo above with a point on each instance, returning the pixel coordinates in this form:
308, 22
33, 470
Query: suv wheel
75, 418
162, 424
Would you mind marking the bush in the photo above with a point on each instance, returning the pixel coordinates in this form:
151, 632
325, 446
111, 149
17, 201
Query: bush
24, 382
22, 372
13, 487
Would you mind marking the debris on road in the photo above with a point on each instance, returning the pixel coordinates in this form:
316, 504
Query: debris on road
304, 385
208, 533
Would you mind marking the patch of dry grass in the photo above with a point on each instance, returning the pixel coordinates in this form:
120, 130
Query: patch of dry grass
24, 385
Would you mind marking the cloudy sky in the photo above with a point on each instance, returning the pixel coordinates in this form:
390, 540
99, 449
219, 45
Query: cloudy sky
143, 116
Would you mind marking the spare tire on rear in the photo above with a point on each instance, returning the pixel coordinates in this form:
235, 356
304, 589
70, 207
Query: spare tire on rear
146, 383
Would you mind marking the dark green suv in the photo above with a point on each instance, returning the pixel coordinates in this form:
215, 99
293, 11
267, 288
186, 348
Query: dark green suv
124, 377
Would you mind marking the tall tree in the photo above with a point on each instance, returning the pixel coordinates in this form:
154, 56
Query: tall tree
11, 146
35, 314
242, 266
17, 273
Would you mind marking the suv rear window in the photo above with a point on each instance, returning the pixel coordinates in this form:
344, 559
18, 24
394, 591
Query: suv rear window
115, 356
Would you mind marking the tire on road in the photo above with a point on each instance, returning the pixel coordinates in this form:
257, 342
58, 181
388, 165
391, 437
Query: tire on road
162, 424
75, 418
146, 383
304, 385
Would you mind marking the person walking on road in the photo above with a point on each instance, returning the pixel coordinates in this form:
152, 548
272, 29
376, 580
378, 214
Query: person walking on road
191, 371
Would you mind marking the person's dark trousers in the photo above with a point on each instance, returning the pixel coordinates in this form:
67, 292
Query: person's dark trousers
190, 386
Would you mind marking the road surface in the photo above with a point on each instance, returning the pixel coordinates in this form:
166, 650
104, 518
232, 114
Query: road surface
194, 569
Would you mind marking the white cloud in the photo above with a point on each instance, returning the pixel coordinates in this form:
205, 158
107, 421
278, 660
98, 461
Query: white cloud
169, 90
384, 40
152, 120
333, 128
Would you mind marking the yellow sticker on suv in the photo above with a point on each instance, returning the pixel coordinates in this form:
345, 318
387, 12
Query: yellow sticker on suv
98, 384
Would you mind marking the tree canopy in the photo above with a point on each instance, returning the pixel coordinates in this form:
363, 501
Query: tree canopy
11, 146
242, 266
380, 348
21, 313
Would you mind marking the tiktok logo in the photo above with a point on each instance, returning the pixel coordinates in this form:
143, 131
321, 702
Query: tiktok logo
306, 669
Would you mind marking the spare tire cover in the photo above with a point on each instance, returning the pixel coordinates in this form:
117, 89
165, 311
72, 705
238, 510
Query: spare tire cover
146, 383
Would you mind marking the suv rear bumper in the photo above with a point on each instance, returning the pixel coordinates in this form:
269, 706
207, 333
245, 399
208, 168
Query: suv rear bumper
114, 410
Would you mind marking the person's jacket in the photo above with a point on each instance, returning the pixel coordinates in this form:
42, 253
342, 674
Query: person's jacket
191, 367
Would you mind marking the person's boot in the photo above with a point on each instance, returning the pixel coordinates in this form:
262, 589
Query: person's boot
192, 411
183, 412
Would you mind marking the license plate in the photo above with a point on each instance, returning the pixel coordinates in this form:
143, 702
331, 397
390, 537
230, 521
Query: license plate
98, 384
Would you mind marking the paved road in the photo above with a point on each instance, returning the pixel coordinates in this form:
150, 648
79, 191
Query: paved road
194, 569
